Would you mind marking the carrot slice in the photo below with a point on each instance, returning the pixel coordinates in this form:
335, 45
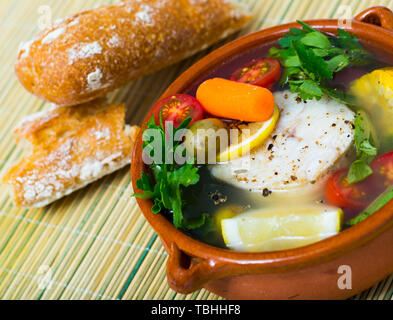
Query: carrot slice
234, 100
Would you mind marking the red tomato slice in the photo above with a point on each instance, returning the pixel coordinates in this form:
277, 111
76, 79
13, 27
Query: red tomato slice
263, 72
355, 197
178, 108
383, 169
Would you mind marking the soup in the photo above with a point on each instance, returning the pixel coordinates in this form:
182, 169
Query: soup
315, 159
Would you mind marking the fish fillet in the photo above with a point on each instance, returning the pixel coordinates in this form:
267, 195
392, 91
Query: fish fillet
310, 140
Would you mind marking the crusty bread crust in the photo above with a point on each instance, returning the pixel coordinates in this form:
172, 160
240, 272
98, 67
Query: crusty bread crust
85, 56
71, 147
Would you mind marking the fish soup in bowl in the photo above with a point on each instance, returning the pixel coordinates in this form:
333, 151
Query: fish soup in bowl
280, 147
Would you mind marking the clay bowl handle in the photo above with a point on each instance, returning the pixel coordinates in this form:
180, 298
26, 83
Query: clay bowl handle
186, 275
379, 16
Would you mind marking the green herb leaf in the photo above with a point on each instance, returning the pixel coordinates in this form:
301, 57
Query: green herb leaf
359, 171
309, 55
157, 207
317, 40
338, 63
359, 58
364, 137
292, 61
170, 178
321, 52
346, 40
177, 208
339, 96
292, 75
296, 34
196, 223
185, 124
186, 175
145, 195
367, 149
306, 27
315, 66
308, 90
145, 184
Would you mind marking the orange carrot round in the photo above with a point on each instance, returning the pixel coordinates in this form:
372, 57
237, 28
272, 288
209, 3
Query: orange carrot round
234, 100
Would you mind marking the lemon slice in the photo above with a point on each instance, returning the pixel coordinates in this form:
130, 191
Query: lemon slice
227, 212
249, 136
374, 92
281, 229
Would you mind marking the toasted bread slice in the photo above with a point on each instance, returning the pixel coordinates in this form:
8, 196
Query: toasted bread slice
71, 147
83, 57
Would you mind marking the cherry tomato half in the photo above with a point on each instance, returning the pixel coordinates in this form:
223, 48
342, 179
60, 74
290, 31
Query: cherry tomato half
354, 197
263, 72
178, 108
383, 169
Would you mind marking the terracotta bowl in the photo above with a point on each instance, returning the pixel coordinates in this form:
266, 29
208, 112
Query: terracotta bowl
311, 272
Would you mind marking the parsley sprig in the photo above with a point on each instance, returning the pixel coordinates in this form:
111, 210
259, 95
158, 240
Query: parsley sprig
169, 178
311, 59
365, 143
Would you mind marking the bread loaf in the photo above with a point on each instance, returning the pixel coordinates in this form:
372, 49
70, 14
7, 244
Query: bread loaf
94, 52
70, 148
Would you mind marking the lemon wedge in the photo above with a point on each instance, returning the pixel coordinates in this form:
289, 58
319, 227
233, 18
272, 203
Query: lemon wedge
249, 136
374, 92
281, 229
227, 212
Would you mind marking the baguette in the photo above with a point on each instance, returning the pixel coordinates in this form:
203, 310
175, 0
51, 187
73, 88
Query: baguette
71, 147
85, 56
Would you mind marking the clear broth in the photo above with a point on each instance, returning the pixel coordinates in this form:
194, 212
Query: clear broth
198, 197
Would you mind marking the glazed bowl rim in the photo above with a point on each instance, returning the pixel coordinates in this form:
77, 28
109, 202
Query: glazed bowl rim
339, 244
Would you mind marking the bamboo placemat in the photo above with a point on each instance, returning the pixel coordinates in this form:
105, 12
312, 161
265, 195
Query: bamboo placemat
95, 244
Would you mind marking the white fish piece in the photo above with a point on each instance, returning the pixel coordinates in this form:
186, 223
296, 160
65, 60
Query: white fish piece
311, 139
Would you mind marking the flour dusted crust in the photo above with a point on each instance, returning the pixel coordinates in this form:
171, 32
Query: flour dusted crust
85, 56
71, 147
